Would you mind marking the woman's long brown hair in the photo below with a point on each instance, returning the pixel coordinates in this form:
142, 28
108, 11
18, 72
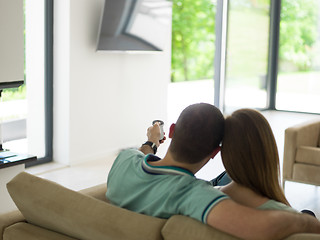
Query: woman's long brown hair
250, 154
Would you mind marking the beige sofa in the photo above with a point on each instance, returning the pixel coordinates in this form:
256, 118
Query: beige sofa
301, 157
50, 211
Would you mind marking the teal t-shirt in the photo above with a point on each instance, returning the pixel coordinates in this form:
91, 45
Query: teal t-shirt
136, 185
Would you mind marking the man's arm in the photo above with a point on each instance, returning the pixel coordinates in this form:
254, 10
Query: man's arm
146, 149
249, 223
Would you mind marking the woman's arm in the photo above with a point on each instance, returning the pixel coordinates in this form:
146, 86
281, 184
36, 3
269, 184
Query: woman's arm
249, 223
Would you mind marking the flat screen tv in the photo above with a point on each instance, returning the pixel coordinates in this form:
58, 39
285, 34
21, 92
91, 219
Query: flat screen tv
134, 25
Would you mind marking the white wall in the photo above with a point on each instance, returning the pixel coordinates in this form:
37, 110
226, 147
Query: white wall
103, 101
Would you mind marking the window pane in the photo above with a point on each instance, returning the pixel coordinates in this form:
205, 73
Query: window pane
193, 49
299, 56
247, 54
24, 106
35, 76
193, 38
13, 105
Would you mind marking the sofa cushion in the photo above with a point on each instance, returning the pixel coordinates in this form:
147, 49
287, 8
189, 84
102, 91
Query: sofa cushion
52, 206
306, 173
184, 228
303, 236
310, 155
8, 219
28, 231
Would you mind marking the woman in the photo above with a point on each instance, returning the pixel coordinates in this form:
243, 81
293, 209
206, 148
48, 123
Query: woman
250, 156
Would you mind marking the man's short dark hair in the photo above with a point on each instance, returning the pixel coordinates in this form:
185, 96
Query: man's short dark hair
198, 131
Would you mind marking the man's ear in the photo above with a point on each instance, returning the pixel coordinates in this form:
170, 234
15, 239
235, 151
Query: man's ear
171, 130
215, 152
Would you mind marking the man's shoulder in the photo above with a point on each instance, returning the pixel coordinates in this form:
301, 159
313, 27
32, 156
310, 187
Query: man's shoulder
130, 152
127, 157
125, 163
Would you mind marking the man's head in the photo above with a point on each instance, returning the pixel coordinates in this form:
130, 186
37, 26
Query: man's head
197, 133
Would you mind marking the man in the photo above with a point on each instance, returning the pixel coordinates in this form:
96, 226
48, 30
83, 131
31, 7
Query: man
166, 187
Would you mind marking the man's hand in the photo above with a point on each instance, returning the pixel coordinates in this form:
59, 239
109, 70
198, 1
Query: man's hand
153, 135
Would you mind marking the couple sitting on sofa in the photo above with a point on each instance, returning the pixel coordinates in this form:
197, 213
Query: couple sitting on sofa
166, 187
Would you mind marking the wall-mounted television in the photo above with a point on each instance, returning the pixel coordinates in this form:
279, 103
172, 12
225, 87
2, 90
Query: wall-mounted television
134, 25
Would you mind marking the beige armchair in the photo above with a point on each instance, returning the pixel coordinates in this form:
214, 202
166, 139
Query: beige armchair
301, 159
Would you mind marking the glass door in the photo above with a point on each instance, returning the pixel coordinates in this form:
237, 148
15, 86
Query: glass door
247, 54
193, 51
298, 87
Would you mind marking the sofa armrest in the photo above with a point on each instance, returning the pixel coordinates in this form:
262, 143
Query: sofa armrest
304, 134
98, 192
9, 219
13, 217
307, 133
49, 205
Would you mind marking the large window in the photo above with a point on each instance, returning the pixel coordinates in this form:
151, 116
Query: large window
193, 51
193, 40
267, 53
299, 56
247, 54
26, 112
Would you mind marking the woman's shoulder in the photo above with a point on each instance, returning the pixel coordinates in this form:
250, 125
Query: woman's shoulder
275, 205
243, 195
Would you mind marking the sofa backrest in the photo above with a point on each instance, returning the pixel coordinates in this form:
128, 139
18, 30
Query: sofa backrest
185, 228
98, 192
308, 133
54, 207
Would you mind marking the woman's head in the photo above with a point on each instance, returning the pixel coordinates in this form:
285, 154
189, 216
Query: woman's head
250, 155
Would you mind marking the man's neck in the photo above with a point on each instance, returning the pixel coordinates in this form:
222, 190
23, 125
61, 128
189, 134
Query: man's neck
168, 160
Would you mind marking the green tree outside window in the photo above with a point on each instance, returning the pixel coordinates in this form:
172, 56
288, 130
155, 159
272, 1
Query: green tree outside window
193, 37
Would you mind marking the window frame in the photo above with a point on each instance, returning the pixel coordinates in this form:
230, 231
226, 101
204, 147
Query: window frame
48, 85
273, 56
